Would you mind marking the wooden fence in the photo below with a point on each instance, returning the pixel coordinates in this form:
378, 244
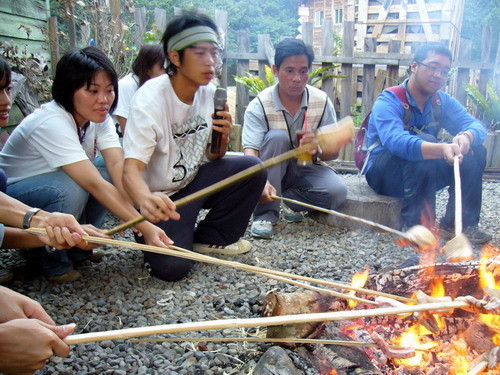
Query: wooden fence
367, 73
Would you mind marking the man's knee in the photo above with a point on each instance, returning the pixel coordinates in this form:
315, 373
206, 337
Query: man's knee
276, 140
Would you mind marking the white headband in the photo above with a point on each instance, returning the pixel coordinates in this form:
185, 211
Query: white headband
191, 36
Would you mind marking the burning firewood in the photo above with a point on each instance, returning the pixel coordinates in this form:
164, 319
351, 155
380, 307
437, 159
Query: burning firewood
488, 360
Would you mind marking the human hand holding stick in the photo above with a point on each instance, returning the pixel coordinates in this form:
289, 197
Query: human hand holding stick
332, 137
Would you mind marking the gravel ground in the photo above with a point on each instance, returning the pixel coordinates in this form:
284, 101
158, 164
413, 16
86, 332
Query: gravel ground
117, 293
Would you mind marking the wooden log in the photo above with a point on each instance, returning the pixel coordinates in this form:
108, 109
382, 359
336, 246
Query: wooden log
300, 302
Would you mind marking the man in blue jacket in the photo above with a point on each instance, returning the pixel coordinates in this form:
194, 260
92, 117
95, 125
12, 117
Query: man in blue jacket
411, 163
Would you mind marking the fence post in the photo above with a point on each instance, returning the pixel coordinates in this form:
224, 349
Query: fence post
464, 56
307, 33
368, 78
242, 67
54, 45
346, 87
327, 50
265, 47
160, 19
393, 70
221, 22
140, 26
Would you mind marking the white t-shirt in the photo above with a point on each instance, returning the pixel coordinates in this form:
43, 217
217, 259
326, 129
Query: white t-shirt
168, 135
127, 86
48, 139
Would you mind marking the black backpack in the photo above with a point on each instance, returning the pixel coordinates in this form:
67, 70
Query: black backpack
361, 149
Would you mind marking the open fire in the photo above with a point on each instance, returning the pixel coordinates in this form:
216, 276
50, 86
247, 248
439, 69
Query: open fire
449, 342
454, 354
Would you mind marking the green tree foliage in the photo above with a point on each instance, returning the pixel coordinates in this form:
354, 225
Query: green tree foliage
477, 15
275, 17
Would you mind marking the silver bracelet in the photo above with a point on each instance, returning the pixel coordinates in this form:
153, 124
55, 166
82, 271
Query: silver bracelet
28, 216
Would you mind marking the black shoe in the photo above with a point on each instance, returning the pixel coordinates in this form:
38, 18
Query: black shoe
5, 275
477, 236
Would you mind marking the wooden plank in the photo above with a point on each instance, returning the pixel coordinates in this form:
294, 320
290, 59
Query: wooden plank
35, 9
403, 12
140, 26
465, 53
221, 22
54, 44
242, 68
307, 33
17, 27
361, 23
393, 71
382, 16
327, 49
368, 78
347, 51
160, 19
425, 18
379, 83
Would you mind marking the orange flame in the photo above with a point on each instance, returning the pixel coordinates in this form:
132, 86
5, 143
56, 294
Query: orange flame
487, 280
415, 337
359, 281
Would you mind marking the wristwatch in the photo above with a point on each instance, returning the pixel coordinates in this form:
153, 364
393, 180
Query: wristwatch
28, 216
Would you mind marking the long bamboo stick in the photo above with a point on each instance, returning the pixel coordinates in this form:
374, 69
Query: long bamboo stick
345, 216
183, 253
128, 333
287, 340
338, 135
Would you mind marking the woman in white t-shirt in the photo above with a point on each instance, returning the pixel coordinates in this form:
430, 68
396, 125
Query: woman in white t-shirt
149, 63
48, 159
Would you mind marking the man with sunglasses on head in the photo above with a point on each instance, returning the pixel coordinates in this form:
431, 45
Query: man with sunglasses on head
408, 160
168, 155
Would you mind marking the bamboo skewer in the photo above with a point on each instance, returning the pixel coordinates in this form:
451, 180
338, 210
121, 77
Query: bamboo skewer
183, 253
458, 248
288, 340
406, 235
338, 135
128, 333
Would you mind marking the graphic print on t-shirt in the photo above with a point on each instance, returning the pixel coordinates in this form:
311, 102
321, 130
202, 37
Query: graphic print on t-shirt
191, 138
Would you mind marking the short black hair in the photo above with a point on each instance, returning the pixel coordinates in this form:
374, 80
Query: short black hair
179, 23
5, 74
76, 69
422, 52
149, 56
291, 47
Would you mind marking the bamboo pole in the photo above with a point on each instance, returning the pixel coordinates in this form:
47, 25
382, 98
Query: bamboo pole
287, 340
128, 333
330, 137
419, 235
183, 253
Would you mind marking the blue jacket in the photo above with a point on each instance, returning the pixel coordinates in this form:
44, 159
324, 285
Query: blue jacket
386, 124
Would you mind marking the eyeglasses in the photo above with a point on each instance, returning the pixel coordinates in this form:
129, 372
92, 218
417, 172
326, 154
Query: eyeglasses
445, 73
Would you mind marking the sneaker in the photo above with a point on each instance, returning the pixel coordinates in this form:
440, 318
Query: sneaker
5, 275
240, 247
292, 216
473, 234
262, 229
67, 277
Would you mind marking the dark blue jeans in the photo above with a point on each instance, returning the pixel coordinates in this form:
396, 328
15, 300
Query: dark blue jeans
418, 181
225, 223
58, 192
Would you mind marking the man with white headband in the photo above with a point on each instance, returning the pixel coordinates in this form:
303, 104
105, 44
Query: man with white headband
167, 145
